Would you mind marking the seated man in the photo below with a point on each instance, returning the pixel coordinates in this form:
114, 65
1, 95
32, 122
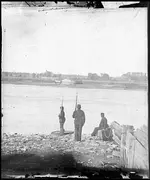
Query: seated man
103, 125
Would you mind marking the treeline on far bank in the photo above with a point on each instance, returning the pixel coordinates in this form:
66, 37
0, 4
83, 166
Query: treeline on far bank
99, 84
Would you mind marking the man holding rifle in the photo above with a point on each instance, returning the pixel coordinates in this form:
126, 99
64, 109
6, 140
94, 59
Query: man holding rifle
79, 121
62, 118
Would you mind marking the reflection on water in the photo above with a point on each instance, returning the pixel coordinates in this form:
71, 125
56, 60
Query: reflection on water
34, 109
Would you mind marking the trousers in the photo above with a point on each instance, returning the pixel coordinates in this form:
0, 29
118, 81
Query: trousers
94, 133
62, 128
78, 132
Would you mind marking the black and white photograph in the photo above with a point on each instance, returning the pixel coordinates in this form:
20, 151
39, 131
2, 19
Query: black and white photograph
74, 89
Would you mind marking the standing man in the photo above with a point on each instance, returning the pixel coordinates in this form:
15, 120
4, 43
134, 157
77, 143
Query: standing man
79, 121
103, 125
62, 120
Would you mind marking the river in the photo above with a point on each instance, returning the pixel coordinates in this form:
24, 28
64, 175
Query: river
34, 109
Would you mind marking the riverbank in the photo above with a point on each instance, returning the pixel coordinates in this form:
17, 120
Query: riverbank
85, 85
46, 154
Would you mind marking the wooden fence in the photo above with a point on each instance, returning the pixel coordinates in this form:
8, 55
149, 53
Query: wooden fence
133, 145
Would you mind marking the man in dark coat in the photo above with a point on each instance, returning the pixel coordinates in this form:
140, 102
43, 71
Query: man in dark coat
79, 121
62, 120
103, 125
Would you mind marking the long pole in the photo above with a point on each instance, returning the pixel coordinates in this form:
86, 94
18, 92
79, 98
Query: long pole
76, 101
62, 101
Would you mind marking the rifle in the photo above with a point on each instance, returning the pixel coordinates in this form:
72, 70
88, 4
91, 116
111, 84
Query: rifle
62, 101
61, 105
76, 101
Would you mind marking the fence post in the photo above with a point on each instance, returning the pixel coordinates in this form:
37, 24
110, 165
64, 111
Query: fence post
123, 158
126, 143
130, 145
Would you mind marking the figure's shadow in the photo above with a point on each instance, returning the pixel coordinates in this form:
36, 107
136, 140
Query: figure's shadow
55, 163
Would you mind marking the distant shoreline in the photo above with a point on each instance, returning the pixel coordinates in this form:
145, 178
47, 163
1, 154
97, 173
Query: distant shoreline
114, 86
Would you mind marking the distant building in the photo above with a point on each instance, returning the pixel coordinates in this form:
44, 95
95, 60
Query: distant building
25, 75
135, 76
48, 74
67, 82
69, 76
104, 76
93, 76
45, 78
57, 81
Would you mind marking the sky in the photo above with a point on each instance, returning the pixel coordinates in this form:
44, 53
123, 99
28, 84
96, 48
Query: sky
75, 41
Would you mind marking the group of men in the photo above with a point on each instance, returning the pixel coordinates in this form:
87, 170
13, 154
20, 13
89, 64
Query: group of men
79, 121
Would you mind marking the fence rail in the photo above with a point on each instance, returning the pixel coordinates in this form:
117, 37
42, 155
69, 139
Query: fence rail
133, 145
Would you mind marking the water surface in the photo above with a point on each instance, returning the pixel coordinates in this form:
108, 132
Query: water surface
34, 109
